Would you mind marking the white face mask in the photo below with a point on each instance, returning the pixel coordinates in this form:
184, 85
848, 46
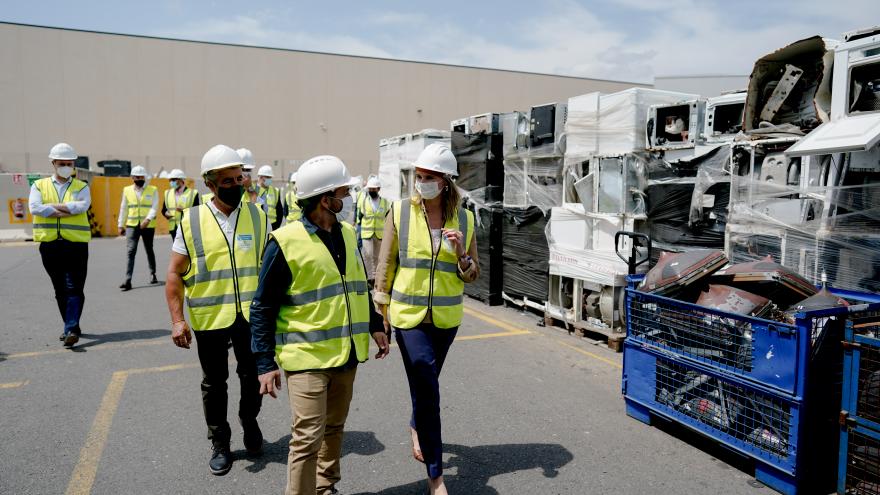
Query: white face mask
64, 171
347, 209
428, 190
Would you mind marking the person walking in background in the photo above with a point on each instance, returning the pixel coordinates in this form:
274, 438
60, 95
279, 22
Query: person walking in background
137, 220
312, 316
178, 197
371, 212
214, 264
292, 212
428, 254
270, 195
59, 205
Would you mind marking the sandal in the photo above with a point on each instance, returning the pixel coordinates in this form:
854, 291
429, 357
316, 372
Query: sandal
416, 452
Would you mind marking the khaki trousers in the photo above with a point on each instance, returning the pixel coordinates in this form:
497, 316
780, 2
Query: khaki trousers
371, 248
319, 403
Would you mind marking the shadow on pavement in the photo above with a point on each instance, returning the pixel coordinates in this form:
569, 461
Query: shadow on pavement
354, 442
475, 466
94, 339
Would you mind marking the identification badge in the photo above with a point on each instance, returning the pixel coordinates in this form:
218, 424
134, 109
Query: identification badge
245, 242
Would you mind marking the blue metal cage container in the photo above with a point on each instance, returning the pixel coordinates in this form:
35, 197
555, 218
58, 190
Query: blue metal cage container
859, 459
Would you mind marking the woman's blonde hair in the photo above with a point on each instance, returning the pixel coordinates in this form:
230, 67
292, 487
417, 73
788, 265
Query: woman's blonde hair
451, 199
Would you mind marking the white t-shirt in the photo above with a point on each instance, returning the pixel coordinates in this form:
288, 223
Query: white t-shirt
227, 225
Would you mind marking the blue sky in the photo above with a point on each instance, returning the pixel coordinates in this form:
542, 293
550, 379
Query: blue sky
631, 40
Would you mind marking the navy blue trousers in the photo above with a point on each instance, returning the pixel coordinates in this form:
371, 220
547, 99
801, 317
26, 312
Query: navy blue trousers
424, 350
67, 264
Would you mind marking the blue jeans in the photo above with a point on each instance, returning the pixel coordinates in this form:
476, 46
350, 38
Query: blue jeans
67, 264
424, 350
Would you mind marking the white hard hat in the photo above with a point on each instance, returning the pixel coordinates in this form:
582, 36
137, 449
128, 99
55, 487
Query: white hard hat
266, 171
139, 171
247, 158
220, 157
62, 151
373, 182
177, 174
321, 174
293, 177
438, 158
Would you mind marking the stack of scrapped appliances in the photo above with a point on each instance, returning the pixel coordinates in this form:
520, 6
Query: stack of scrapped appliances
396, 157
476, 144
604, 192
533, 145
748, 354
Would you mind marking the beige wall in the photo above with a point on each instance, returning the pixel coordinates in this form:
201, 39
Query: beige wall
162, 103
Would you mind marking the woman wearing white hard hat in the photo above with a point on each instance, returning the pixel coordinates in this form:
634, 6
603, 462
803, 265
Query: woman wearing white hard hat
428, 254
137, 220
312, 315
178, 197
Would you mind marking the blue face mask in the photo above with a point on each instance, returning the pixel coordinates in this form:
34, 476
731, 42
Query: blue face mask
173, 184
267, 182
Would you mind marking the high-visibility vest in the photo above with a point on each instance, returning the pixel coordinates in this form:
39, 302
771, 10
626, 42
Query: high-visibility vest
272, 196
139, 208
425, 282
323, 312
207, 197
187, 197
74, 228
221, 280
294, 212
372, 221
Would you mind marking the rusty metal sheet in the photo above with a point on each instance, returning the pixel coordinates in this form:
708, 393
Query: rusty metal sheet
778, 283
676, 271
733, 300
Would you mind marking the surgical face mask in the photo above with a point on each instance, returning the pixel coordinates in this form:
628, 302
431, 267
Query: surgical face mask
267, 182
428, 190
230, 196
64, 171
346, 210
139, 183
173, 184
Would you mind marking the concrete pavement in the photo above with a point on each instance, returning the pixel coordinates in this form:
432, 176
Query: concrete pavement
526, 409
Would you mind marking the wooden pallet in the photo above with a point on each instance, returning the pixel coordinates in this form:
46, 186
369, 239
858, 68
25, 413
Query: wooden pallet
597, 334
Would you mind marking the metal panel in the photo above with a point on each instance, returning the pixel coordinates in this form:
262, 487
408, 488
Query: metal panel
855, 133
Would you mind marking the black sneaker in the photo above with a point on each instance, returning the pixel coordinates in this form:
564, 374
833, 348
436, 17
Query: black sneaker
221, 460
61, 338
70, 339
153, 279
252, 438
126, 286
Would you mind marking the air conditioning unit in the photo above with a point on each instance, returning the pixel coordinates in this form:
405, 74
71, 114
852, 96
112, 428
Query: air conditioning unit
676, 126
724, 117
547, 128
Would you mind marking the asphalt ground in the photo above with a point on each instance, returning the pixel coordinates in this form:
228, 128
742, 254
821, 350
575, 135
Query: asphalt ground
525, 409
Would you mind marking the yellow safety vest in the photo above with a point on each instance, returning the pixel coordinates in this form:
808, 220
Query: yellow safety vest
294, 212
138, 209
323, 312
187, 197
424, 281
74, 228
207, 197
372, 221
221, 280
272, 196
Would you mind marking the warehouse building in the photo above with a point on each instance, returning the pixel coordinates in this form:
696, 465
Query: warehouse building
162, 102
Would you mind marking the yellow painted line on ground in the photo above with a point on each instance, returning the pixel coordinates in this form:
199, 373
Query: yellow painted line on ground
14, 384
513, 330
87, 467
588, 353
98, 347
491, 335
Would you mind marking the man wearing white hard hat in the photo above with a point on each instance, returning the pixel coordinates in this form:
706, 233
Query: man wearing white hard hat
270, 195
371, 211
214, 265
312, 316
137, 220
59, 205
250, 189
178, 197
292, 212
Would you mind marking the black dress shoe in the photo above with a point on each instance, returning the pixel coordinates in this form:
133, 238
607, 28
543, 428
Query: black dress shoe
252, 438
153, 279
221, 460
62, 337
126, 286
